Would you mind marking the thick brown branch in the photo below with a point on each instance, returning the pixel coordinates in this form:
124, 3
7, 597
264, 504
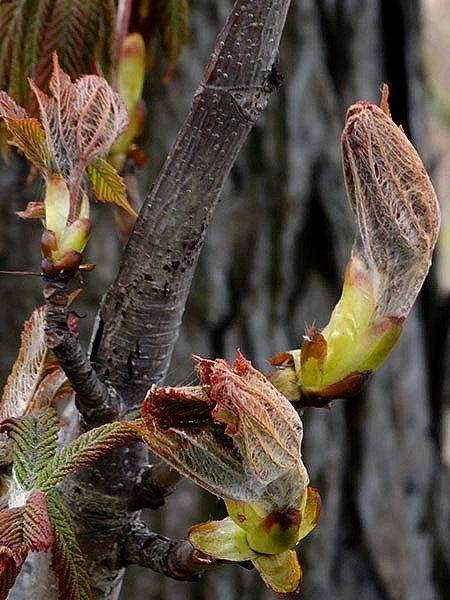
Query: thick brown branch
141, 314
177, 559
153, 485
95, 400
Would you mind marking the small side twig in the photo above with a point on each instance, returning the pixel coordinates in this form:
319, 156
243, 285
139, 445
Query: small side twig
177, 559
96, 402
153, 484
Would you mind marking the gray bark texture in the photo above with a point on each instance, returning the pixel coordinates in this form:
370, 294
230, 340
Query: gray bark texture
273, 261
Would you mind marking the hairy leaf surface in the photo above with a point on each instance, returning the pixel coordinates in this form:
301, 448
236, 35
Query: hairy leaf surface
31, 30
34, 445
68, 562
29, 137
36, 378
22, 528
83, 451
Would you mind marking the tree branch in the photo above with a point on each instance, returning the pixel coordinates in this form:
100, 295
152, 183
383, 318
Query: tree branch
153, 484
94, 398
177, 559
141, 313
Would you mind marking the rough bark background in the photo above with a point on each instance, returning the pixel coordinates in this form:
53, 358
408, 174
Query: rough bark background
273, 262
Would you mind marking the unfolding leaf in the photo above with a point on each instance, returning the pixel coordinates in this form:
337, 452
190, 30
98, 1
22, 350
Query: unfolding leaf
397, 213
34, 445
9, 107
236, 436
33, 363
394, 203
22, 528
26, 527
82, 451
107, 185
54, 386
31, 31
29, 137
100, 115
8, 572
174, 28
68, 562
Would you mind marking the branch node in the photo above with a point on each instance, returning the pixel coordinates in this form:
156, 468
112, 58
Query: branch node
153, 485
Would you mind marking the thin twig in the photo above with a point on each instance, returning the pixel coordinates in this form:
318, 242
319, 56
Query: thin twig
154, 484
177, 559
95, 400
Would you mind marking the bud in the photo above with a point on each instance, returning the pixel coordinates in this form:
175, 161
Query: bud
62, 238
130, 83
394, 203
234, 435
398, 217
267, 540
238, 437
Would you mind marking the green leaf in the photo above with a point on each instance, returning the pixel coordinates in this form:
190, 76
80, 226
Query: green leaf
34, 445
107, 185
83, 451
174, 30
68, 562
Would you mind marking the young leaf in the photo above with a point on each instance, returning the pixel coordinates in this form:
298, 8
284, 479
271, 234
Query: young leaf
22, 394
26, 527
83, 451
236, 436
174, 29
29, 137
9, 108
22, 528
34, 445
68, 563
53, 386
31, 31
8, 572
107, 185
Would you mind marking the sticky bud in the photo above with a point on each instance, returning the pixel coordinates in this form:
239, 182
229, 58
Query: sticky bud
397, 213
394, 203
